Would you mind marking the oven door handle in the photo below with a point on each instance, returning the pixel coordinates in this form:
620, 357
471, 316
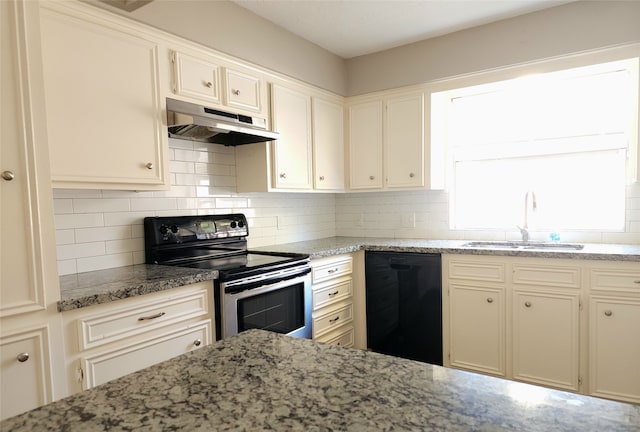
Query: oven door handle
234, 289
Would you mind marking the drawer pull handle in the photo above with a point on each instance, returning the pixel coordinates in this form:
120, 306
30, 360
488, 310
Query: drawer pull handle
23, 357
489, 300
334, 319
333, 270
636, 282
527, 304
197, 342
333, 293
608, 313
151, 317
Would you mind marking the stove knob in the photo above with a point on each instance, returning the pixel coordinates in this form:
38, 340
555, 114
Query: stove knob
240, 223
174, 228
233, 224
164, 229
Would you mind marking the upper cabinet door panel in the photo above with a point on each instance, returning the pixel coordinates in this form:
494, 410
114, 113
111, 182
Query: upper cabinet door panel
104, 112
291, 118
404, 141
196, 78
243, 91
328, 144
365, 145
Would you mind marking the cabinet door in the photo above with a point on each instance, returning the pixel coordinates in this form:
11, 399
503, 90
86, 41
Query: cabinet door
196, 78
103, 104
292, 151
614, 345
545, 338
365, 145
243, 91
23, 372
477, 328
404, 141
22, 129
328, 145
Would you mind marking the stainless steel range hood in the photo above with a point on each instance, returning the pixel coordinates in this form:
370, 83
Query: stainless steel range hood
194, 122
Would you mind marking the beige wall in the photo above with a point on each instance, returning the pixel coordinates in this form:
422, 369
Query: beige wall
565, 29
229, 28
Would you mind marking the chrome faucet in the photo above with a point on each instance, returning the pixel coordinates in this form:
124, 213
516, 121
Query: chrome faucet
524, 230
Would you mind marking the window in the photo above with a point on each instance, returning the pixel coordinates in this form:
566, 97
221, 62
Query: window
565, 136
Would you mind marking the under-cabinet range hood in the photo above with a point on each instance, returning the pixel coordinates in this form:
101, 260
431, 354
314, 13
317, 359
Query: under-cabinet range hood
195, 122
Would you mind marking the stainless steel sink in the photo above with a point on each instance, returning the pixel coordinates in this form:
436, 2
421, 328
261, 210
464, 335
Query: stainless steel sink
523, 245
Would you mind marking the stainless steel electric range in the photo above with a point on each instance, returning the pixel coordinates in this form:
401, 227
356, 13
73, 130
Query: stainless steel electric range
270, 291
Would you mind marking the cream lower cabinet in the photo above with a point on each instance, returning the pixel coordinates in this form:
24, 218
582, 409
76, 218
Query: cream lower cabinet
614, 325
104, 342
518, 318
333, 308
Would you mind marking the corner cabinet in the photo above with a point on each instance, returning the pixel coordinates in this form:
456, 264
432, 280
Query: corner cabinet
103, 100
387, 141
308, 156
30, 327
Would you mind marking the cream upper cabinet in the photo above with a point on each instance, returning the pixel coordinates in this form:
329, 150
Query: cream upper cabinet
213, 82
309, 152
365, 145
614, 320
103, 100
198, 78
30, 332
328, 144
292, 151
404, 141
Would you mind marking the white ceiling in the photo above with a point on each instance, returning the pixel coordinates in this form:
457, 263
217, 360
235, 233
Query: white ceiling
350, 28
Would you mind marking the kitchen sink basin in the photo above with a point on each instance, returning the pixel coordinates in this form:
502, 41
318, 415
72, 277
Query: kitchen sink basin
523, 245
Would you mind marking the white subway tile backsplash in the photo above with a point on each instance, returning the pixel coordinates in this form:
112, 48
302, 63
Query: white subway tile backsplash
76, 193
104, 262
78, 250
104, 205
86, 220
65, 236
127, 245
125, 218
63, 206
85, 235
150, 204
66, 267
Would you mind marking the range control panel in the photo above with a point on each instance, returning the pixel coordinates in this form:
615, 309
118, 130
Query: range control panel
185, 229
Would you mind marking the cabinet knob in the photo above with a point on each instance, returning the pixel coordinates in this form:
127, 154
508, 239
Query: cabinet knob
412, 175
197, 342
371, 177
283, 175
608, 313
235, 92
489, 300
527, 304
23, 357
149, 166
8, 175
209, 84
321, 178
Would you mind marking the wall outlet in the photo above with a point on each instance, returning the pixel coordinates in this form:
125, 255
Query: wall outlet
409, 220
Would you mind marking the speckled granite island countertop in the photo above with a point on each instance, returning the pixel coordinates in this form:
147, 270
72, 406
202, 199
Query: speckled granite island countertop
103, 286
338, 245
264, 381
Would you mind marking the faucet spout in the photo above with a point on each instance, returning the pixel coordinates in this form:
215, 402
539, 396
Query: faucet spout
524, 230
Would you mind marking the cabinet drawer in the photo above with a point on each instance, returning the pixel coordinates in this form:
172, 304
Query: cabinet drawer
615, 280
332, 319
548, 275
110, 365
112, 326
332, 269
196, 78
325, 295
343, 336
491, 272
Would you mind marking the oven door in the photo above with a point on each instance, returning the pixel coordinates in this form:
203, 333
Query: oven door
283, 307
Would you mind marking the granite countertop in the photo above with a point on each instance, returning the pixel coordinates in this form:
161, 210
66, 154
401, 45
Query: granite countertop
264, 381
103, 286
338, 245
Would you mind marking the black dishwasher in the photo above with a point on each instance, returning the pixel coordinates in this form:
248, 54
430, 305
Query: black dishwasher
404, 305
